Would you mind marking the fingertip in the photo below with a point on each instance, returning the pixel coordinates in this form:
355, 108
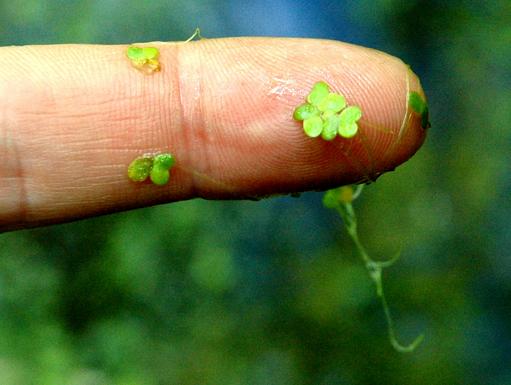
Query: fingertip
253, 87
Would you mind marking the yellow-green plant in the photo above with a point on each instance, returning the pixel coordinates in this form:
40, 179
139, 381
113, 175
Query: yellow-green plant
145, 59
326, 113
156, 168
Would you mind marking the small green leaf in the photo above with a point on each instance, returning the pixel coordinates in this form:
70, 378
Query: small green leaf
348, 118
156, 168
351, 114
319, 91
330, 125
331, 198
348, 130
140, 168
165, 161
313, 126
419, 106
159, 175
332, 102
305, 111
135, 53
416, 102
142, 53
144, 59
150, 53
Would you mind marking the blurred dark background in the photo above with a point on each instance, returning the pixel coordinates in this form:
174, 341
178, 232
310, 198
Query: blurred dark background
271, 292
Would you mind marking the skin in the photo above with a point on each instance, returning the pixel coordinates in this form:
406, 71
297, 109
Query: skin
73, 117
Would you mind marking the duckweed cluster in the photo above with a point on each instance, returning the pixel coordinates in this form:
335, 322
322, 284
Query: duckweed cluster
156, 168
326, 114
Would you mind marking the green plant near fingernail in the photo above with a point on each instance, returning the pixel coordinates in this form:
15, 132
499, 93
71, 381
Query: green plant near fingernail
156, 168
420, 107
326, 114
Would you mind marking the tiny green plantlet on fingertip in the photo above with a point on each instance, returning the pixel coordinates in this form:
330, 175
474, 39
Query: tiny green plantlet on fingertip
340, 199
145, 59
140, 168
420, 107
156, 168
326, 114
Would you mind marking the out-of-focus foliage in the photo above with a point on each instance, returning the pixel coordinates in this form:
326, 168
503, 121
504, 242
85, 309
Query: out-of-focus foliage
270, 292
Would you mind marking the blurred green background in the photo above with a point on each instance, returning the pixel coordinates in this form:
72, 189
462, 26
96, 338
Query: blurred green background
271, 292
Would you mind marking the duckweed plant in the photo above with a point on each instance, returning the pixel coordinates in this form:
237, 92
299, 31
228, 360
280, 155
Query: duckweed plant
156, 168
327, 114
145, 59
420, 107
